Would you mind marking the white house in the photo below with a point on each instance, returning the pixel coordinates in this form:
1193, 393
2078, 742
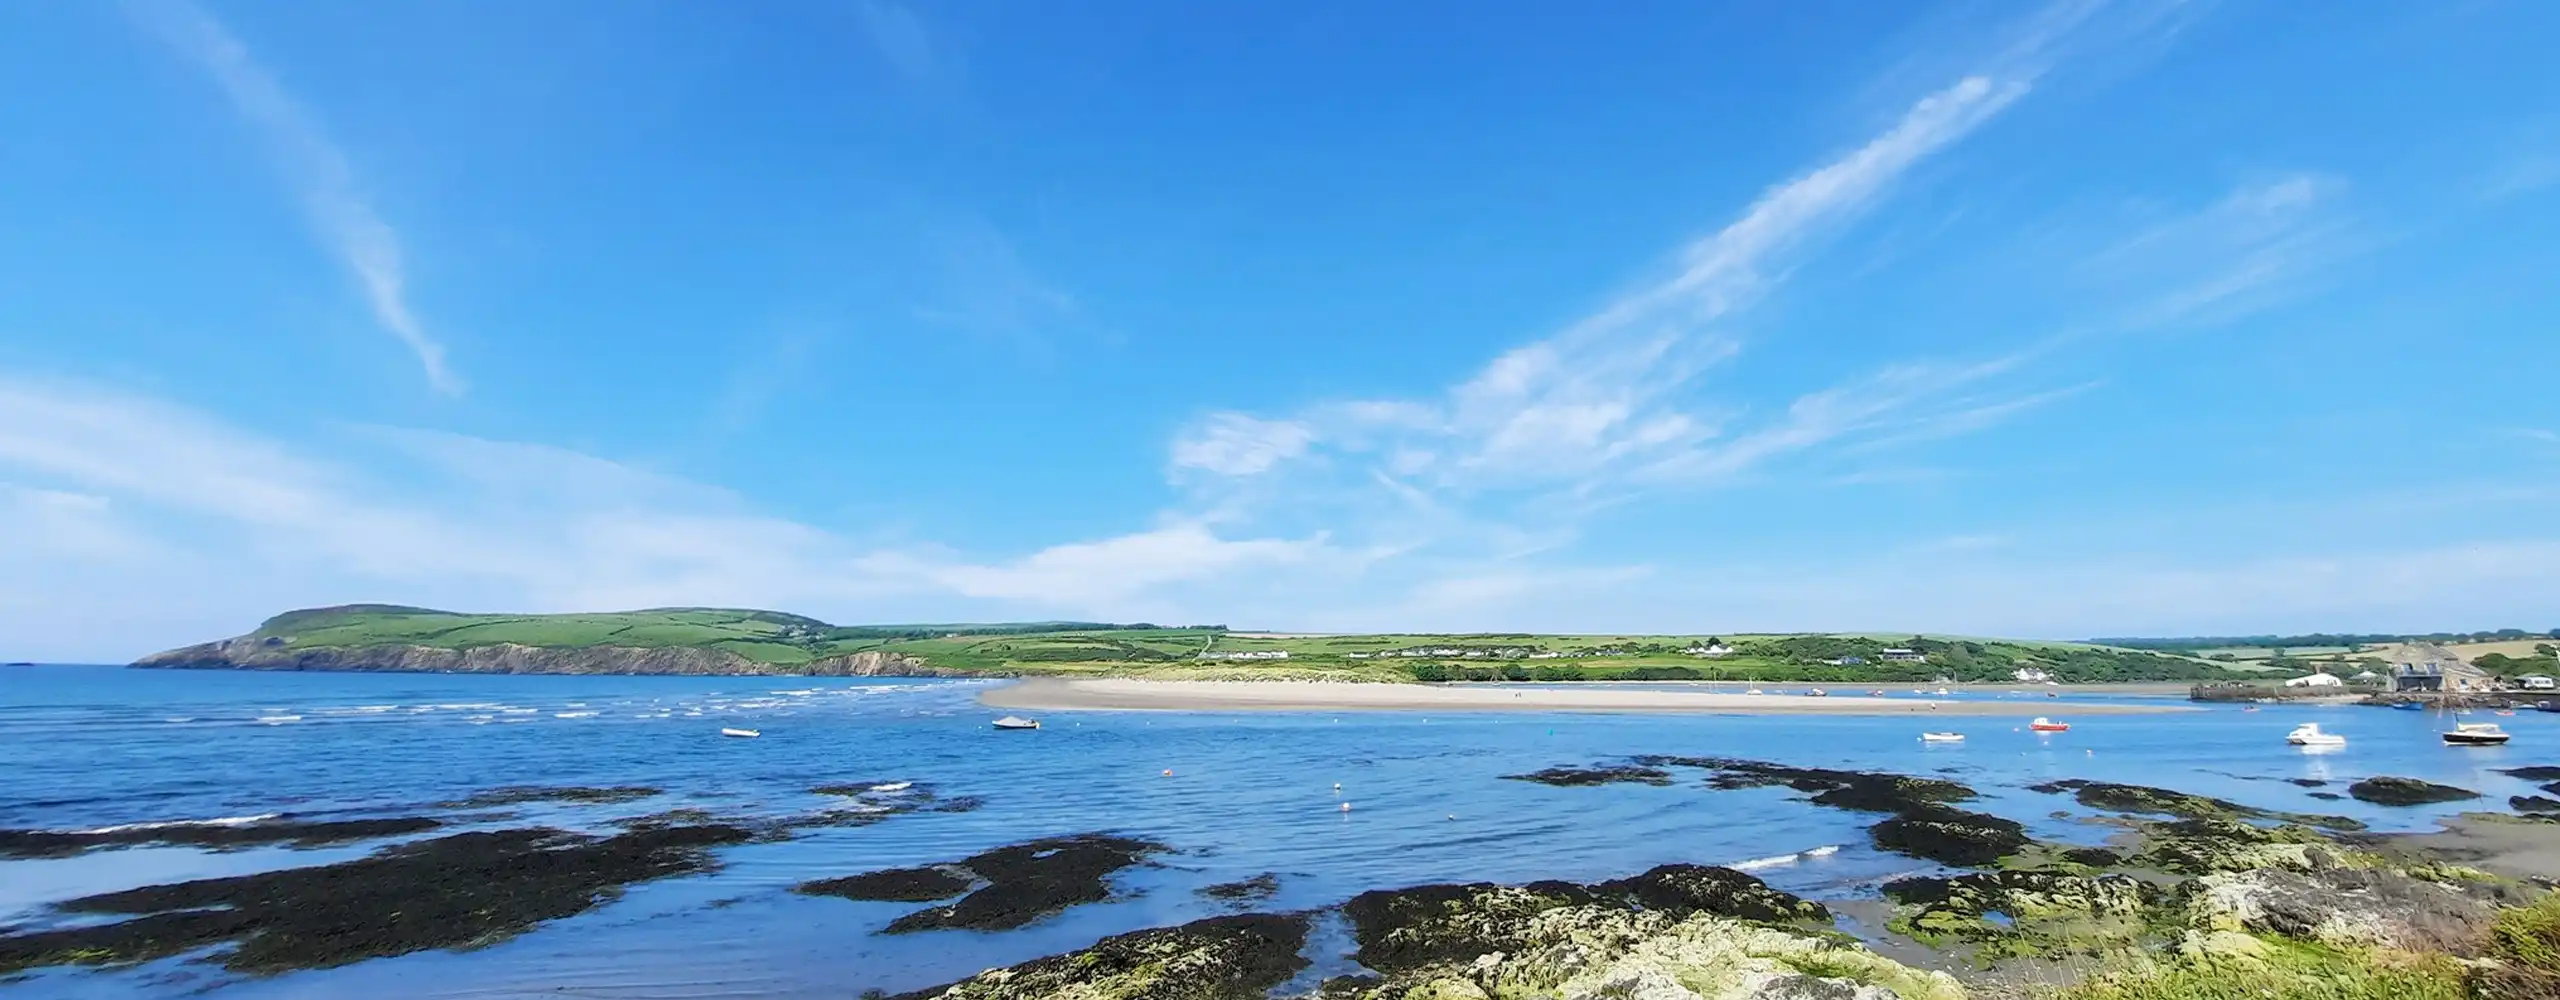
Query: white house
2316, 679
2031, 675
1712, 651
2537, 682
1903, 656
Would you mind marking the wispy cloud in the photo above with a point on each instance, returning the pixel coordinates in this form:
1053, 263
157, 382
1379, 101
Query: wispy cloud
338, 209
904, 42
2257, 244
980, 284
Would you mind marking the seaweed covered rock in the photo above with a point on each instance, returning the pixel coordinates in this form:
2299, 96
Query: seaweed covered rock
284, 830
2389, 791
2533, 804
2345, 907
1922, 824
1220, 958
450, 892
1406, 928
2161, 801
1013, 885
1593, 951
1865, 791
1605, 774
2027, 912
1724, 892
1950, 835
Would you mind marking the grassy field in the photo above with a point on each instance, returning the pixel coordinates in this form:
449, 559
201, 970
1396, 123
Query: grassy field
1089, 649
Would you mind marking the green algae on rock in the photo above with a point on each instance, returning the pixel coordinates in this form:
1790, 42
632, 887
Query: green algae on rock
2390, 791
2346, 907
450, 892
1242, 891
2013, 913
1014, 885
1609, 951
1220, 958
1951, 836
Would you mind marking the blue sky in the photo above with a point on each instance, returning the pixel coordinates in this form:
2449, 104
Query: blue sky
2091, 318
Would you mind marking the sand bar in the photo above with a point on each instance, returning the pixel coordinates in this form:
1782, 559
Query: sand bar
1123, 694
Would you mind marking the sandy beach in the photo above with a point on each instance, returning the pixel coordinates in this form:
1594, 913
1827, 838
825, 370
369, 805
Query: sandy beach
1061, 694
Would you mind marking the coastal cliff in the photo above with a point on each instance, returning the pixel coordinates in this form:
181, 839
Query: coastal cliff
270, 653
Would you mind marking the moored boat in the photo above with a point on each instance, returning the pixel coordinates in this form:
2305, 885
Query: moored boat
744, 734
2410, 706
2045, 725
2308, 734
2476, 734
1941, 737
1016, 722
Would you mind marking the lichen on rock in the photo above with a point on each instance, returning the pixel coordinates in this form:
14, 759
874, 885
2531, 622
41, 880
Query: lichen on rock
1220, 958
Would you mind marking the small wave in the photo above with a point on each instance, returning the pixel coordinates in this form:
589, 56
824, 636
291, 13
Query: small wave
894, 786
1756, 864
573, 715
520, 711
180, 718
174, 823
278, 720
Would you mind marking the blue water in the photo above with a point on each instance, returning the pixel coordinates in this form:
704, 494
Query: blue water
83, 747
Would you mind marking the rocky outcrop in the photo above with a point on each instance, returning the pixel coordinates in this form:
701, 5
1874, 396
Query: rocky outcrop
2026, 912
2345, 907
271, 653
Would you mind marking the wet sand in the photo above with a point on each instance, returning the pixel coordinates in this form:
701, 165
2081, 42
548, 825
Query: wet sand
1060, 694
2497, 843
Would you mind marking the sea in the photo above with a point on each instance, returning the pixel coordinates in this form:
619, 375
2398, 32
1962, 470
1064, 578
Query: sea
1233, 796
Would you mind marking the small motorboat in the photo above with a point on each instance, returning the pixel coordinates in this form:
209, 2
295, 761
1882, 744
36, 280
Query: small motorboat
1942, 692
1819, 693
744, 734
2045, 725
1016, 722
1879, 693
2476, 734
2410, 706
1941, 737
2547, 706
2308, 734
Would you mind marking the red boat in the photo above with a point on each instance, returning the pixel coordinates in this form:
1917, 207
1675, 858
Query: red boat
2045, 725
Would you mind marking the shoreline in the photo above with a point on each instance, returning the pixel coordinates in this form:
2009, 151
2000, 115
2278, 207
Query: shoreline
1124, 694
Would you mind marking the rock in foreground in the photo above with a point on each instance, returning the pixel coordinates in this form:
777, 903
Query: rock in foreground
1221, 958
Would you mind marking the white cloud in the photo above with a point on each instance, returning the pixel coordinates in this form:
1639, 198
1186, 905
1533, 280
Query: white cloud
1233, 444
191, 524
367, 245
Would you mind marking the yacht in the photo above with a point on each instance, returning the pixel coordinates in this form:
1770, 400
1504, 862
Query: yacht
2308, 734
1016, 722
2476, 734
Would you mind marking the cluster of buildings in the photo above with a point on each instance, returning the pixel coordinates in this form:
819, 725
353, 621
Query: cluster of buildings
2427, 667
1245, 654
1484, 653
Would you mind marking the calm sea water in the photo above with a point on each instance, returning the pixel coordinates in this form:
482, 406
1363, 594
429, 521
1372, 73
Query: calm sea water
83, 747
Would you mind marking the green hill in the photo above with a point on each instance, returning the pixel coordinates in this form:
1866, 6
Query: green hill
726, 641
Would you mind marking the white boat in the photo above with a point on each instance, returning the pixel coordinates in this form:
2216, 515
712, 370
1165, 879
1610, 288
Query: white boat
744, 734
2308, 734
1016, 722
1942, 692
2476, 734
1941, 737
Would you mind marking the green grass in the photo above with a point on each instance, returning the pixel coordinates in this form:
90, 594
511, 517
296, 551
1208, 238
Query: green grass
789, 641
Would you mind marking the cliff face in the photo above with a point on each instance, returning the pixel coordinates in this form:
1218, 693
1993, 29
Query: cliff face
250, 653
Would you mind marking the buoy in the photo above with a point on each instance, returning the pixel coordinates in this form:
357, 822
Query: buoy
1453, 815
1168, 772
1346, 807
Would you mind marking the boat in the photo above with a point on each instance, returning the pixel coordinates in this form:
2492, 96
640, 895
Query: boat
1942, 692
1819, 693
1016, 722
744, 734
1941, 737
2547, 706
2308, 734
2476, 734
1879, 693
2045, 725
2410, 706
